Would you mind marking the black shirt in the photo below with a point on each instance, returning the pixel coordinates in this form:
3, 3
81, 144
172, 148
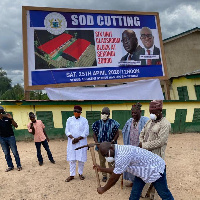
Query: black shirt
6, 127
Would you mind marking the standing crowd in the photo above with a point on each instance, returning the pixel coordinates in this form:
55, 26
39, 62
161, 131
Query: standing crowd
140, 160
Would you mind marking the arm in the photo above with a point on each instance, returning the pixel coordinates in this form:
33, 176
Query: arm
111, 182
67, 129
116, 136
160, 140
12, 120
46, 134
31, 129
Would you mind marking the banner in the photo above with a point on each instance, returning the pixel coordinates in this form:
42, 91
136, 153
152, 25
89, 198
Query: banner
66, 47
138, 90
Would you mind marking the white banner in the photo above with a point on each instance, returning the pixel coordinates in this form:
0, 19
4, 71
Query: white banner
138, 90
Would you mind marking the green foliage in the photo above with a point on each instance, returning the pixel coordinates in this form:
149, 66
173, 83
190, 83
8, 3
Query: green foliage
5, 82
7, 92
38, 95
15, 93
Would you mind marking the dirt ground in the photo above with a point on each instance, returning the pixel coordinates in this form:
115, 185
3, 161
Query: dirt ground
48, 181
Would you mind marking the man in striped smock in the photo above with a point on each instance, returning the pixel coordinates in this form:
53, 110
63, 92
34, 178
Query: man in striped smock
144, 165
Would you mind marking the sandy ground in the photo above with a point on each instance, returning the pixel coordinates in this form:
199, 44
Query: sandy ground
48, 181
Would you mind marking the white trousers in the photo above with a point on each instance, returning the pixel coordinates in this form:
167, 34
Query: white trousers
72, 165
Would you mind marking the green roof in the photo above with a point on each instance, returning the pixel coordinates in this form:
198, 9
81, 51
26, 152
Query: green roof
182, 34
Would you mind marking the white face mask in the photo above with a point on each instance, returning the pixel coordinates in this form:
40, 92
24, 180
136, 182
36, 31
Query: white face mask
104, 117
153, 116
109, 159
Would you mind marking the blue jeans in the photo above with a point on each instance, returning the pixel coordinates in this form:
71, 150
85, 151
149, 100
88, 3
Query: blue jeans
160, 186
46, 147
8, 143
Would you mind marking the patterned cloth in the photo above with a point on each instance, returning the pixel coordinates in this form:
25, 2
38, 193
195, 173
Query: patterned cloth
126, 132
39, 135
105, 131
154, 136
139, 162
134, 135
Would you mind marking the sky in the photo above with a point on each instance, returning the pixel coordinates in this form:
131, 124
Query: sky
176, 16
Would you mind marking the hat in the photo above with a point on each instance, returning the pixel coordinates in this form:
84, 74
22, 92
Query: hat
1, 108
156, 105
136, 106
106, 110
77, 108
31, 114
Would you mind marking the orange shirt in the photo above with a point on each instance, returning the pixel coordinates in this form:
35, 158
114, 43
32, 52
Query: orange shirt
39, 133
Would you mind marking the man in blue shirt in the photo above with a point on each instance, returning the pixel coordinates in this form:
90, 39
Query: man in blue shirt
105, 129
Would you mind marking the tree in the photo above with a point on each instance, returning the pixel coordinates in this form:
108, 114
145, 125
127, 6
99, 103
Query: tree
5, 82
38, 95
15, 93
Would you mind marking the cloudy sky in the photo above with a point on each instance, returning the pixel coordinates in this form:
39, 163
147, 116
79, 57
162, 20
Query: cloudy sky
176, 16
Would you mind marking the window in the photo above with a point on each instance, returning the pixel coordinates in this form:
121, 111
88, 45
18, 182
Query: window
92, 116
196, 115
46, 117
197, 91
183, 93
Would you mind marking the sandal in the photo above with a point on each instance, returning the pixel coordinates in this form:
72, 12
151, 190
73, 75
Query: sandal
81, 177
19, 168
9, 169
69, 178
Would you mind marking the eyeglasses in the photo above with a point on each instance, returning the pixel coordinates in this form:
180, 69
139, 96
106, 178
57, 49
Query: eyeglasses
2, 113
77, 111
143, 36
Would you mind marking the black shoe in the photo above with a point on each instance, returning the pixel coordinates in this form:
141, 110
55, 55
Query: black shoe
40, 163
52, 161
104, 179
9, 169
19, 168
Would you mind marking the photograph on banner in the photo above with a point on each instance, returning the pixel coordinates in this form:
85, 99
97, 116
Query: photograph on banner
74, 47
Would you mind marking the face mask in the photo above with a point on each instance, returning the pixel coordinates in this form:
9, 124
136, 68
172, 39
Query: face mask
153, 116
109, 159
104, 116
77, 115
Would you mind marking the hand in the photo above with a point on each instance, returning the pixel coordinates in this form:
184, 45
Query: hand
9, 115
113, 142
140, 145
100, 190
97, 167
75, 140
47, 139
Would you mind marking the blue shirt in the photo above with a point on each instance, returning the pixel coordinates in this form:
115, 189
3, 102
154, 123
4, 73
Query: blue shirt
105, 131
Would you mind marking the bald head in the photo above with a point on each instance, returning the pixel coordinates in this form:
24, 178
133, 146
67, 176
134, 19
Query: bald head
104, 148
129, 40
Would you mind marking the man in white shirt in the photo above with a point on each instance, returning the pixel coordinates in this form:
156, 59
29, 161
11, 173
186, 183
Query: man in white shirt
144, 165
77, 130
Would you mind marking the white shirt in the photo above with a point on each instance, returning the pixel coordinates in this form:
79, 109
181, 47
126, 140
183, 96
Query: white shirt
76, 128
139, 162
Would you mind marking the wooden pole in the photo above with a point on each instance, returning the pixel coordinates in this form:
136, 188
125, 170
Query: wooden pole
94, 163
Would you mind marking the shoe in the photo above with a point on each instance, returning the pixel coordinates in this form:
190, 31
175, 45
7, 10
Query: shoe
9, 169
19, 168
69, 178
129, 185
104, 179
52, 161
81, 177
40, 163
